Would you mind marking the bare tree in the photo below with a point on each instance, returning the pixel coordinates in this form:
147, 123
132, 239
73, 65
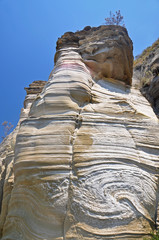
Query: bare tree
115, 19
6, 128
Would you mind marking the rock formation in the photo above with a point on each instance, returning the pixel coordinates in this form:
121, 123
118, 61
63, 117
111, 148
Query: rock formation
7, 153
86, 151
146, 71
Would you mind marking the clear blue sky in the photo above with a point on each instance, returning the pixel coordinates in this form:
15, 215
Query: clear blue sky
29, 30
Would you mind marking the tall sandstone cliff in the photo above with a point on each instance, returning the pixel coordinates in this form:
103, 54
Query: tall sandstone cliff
83, 162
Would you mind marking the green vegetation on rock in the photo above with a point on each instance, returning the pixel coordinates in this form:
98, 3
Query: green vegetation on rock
146, 65
154, 236
142, 57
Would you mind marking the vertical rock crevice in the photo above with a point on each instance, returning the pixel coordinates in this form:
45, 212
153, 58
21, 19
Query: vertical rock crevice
82, 102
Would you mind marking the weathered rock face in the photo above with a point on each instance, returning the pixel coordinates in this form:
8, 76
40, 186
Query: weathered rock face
6, 175
151, 92
146, 72
147, 64
106, 50
34, 89
86, 157
7, 153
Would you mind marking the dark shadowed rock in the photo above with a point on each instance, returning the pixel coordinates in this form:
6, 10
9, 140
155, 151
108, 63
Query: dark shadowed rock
146, 70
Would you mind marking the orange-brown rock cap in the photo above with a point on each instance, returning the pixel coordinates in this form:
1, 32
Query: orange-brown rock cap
106, 50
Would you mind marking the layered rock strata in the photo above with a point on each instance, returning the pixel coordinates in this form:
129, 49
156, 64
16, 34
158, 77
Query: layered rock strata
6, 175
34, 89
86, 157
7, 153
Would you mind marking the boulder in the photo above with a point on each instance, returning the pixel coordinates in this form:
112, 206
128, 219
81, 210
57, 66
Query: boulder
106, 50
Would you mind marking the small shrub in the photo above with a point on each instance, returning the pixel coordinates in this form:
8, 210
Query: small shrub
115, 19
6, 128
155, 236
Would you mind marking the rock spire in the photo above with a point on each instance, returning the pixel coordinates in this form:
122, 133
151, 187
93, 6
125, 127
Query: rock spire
86, 152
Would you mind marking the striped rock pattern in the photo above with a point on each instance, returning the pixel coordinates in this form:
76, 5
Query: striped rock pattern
86, 158
7, 153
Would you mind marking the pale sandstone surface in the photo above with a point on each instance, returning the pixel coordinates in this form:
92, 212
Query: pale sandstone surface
6, 175
86, 153
7, 153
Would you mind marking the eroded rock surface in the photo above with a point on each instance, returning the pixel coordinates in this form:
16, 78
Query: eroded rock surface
146, 73
6, 175
151, 92
7, 153
106, 50
86, 157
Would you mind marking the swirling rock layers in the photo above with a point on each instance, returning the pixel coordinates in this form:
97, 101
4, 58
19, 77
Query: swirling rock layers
86, 159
